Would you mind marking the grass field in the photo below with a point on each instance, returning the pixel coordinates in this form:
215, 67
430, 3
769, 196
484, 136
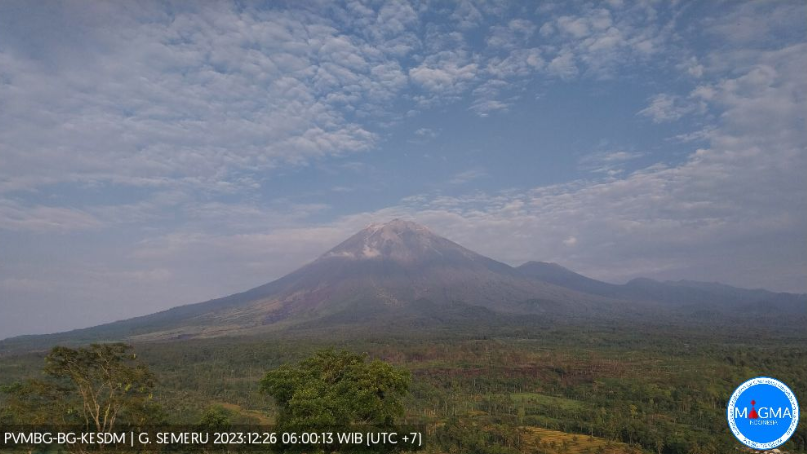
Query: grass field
537, 440
542, 400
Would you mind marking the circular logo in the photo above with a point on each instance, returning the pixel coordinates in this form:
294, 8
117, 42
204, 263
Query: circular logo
763, 413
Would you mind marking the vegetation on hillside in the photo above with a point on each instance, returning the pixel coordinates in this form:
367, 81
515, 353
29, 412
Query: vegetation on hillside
553, 391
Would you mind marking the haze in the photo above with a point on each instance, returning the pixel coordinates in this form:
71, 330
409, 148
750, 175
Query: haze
157, 154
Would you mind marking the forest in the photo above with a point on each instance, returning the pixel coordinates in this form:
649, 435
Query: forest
554, 389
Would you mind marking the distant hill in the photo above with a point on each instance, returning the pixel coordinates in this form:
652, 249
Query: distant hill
403, 274
683, 296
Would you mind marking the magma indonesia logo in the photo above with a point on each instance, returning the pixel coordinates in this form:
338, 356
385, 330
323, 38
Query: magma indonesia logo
763, 413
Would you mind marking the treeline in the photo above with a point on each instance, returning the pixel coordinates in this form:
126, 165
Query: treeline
656, 392
105, 388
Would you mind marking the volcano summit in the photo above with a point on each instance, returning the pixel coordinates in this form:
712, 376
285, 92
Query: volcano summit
401, 273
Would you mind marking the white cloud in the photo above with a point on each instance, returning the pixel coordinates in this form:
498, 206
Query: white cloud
608, 162
467, 176
466, 15
396, 16
488, 98
563, 65
598, 42
758, 24
731, 210
577, 27
484, 107
741, 195
516, 33
665, 108
518, 63
614, 156
692, 67
446, 73
198, 94
426, 133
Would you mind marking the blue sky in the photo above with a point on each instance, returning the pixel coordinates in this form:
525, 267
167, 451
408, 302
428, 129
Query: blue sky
162, 153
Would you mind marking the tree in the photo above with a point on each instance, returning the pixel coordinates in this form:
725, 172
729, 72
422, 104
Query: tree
337, 390
97, 386
215, 419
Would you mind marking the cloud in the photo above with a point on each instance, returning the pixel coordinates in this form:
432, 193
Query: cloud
426, 133
211, 98
197, 94
446, 73
488, 98
758, 24
598, 41
614, 156
608, 162
466, 15
666, 108
578, 27
516, 33
396, 17
184, 137
467, 176
563, 65
740, 199
518, 63
692, 67
45, 219
729, 212
484, 107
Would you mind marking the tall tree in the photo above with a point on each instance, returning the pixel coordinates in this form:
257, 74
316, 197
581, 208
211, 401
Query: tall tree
95, 386
336, 390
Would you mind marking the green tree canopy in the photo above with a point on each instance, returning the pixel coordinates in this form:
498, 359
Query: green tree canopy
98, 386
336, 390
215, 419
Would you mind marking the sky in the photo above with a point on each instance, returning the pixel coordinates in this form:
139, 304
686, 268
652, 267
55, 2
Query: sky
154, 154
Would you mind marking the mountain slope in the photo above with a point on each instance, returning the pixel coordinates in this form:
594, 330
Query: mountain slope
386, 270
383, 269
555, 274
401, 272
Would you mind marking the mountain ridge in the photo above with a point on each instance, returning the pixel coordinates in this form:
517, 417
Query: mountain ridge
680, 293
389, 270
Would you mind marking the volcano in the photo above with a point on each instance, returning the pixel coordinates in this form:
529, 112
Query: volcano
393, 270
401, 272
397, 270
